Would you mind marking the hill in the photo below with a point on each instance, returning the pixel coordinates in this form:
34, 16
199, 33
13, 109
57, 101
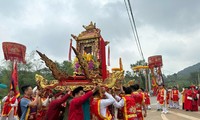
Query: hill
187, 71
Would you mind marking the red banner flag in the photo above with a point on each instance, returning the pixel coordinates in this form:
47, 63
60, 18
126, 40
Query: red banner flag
14, 51
14, 80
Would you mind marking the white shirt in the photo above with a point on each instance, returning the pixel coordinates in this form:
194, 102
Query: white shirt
46, 102
104, 103
119, 104
12, 105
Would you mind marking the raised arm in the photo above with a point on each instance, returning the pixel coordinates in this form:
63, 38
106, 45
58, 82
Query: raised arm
45, 102
63, 99
34, 103
106, 102
15, 104
82, 99
119, 104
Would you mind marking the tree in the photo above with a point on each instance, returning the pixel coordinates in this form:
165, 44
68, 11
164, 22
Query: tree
26, 72
66, 66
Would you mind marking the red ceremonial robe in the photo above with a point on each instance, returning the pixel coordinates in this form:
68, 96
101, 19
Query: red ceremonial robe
175, 95
96, 111
139, 100
147, 99
194, 106
161, 97
55, 108
7, 108
187, 102
129, 108
199, 96
75, 107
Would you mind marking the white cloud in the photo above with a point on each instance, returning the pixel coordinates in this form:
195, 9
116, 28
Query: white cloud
163, 28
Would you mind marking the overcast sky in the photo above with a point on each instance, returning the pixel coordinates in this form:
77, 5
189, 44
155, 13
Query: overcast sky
170, 28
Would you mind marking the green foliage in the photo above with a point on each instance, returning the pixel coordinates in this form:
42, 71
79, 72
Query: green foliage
26, 72
184, 78
138, 76
140, 62
66, 66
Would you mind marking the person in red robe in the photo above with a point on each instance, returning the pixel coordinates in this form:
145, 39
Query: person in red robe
55, 106
194, 106
127, 105
184, 97
99, 105
147, 100
192, 99
139, 100
157, 99
175, 97
10, 106
75, 107
42, 112
186, 100
169, 97
199, 95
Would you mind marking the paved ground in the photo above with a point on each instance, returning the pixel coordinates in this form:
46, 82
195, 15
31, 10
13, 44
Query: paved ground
174, 114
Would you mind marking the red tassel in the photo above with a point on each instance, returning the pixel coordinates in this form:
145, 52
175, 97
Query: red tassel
108, 55
70, 50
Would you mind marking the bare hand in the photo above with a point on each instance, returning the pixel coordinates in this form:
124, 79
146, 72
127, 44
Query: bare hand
38, 92
145, 114
103, 89
95, 88
69, 92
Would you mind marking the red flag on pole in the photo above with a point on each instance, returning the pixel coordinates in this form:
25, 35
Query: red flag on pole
70, 50
14, 80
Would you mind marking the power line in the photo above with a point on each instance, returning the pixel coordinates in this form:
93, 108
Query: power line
134, 28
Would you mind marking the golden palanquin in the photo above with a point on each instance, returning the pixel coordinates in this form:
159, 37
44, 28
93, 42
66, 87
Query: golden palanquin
90, 47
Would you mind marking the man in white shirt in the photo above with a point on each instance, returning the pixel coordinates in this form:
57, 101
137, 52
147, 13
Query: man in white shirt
99, 107
10, 106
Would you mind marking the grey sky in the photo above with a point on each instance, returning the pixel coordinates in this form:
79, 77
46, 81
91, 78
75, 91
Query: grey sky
168, 28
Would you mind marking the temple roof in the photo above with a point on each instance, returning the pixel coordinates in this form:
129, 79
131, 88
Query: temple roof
90, 32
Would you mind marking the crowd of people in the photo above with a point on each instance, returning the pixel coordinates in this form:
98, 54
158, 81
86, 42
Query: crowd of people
101, 103
170, 98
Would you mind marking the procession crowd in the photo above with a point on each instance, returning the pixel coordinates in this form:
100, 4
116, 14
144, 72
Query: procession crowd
101, 103
170, 98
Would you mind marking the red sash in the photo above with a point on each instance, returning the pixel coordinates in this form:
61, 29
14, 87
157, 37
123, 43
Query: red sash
175, 95
7, 108
95, 110
161, 98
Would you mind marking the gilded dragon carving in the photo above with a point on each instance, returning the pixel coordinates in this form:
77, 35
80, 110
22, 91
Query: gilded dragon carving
115, 77
57, 74
93, 76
